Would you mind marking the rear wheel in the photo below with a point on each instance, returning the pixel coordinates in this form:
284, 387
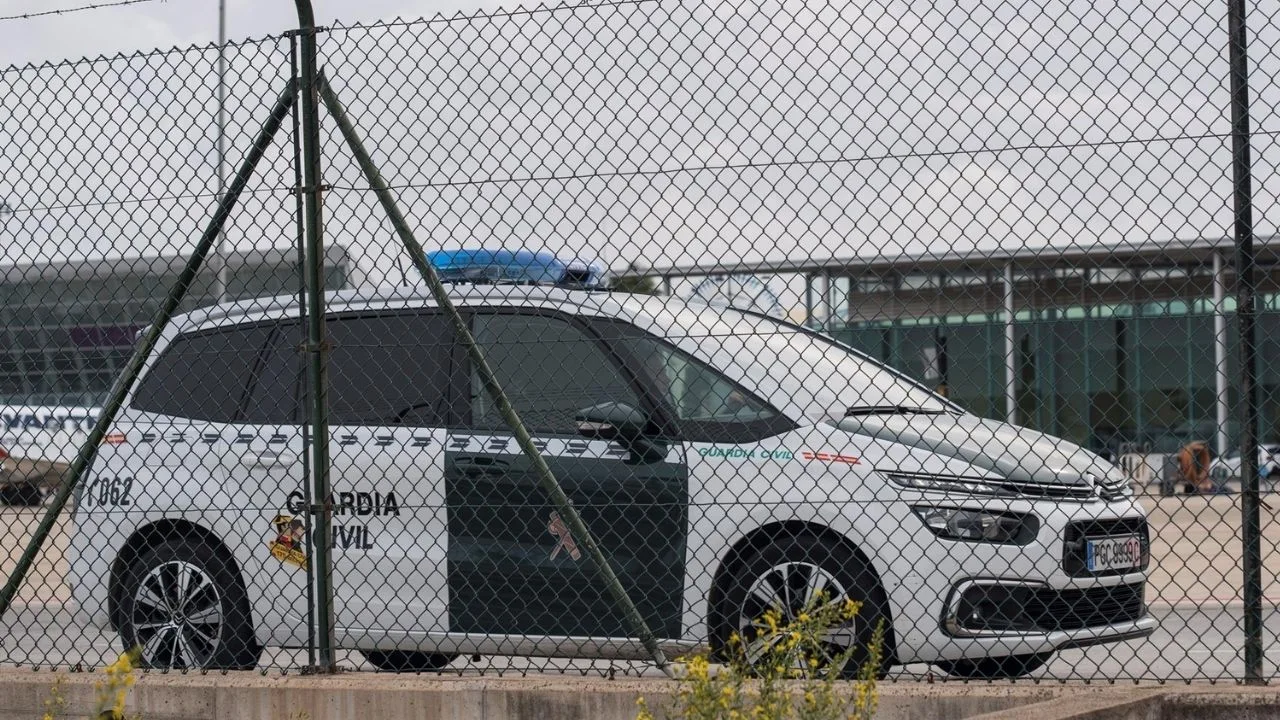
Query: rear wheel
184, 606
407, 660
995, 668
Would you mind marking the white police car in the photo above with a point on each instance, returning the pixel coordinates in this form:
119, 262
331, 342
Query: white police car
749, 464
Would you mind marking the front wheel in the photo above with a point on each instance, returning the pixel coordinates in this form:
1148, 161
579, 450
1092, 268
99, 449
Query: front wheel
184, 607
994, 668
407, 660
795, 574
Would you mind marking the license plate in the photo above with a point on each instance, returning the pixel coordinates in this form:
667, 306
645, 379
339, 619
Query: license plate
1113, 553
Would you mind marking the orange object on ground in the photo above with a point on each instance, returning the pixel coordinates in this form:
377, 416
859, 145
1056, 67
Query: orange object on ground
1193, 466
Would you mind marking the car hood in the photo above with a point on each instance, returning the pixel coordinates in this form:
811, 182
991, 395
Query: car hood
1015, 453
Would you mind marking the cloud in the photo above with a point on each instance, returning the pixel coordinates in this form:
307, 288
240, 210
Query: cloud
671, 133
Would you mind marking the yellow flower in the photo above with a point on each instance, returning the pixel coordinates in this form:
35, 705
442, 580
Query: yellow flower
851, 608
112, 694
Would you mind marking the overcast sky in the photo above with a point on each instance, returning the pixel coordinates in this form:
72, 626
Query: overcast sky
832, 129
179, 23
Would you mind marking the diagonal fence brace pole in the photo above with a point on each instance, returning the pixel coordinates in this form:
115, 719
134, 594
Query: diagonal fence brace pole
563, 505
88, 451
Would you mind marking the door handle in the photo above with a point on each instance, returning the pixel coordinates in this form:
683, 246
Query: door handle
267, 459
476, 466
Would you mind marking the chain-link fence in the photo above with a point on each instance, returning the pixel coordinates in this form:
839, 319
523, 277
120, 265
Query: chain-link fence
645, 319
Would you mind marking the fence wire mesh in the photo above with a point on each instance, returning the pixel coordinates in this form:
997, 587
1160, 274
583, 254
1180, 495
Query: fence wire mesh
927, 306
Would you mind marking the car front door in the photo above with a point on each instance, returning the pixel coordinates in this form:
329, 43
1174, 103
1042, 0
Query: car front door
514, 566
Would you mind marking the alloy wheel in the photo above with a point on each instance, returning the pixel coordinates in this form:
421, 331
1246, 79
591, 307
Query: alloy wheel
177, 616
788, 590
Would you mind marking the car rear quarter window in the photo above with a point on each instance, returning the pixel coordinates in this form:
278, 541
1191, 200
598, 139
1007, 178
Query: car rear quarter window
205, 375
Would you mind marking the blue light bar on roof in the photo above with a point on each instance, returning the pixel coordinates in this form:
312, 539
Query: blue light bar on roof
521, 267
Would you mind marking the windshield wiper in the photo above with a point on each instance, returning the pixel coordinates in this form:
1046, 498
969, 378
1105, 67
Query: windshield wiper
889, 410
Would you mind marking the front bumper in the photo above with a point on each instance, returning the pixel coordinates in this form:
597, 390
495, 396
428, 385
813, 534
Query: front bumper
1063, 626
1014, 618
991, 608
1035, 643
1040, 597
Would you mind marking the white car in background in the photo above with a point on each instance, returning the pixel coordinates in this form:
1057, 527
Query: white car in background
39, 443
1227, 467
727, 463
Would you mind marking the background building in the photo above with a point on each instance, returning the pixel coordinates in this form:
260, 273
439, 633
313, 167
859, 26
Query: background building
1113, 347
67, 329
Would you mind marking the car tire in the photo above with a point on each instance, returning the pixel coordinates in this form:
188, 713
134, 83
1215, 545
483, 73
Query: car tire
407, 660
841, 569
994, 668
183, 603
25, 494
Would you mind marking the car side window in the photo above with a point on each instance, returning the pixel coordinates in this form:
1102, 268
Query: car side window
695, 391
203, 375
389, 369
705, 405
549, 370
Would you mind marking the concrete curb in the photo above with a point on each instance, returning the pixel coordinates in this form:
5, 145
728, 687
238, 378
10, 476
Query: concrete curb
364, 696
1114, 704
1234, 703
1186, 703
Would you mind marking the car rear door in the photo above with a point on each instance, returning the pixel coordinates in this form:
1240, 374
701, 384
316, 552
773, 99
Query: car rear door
389, 377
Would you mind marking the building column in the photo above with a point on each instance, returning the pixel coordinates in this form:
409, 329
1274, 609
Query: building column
849, 308
664, 288
808, 299
1136, 381
1220, 349
1087, 346
825, 284
1010, 350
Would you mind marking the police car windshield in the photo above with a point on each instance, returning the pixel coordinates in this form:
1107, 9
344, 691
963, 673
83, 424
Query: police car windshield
834, 377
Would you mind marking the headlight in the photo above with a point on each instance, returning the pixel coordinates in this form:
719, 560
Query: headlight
949, 483
979, 525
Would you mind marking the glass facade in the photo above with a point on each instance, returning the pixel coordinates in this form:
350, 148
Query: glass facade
1106, 377
64, 341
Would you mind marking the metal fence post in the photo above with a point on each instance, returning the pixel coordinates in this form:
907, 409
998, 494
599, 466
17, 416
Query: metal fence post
322, 506
88, 451
418, 256
1241, 172
300, 244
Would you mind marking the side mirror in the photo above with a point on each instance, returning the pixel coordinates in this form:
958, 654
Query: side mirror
611, 420
624, 424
